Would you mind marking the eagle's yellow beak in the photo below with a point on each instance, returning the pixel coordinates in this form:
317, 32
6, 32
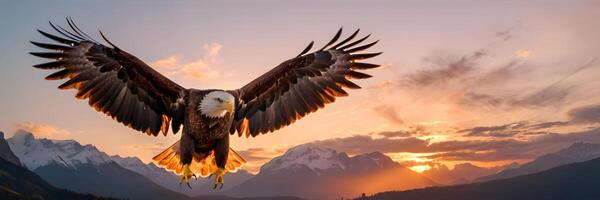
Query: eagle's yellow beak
229, 106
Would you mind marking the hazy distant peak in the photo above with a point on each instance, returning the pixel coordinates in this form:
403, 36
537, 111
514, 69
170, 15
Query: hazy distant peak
375, 155
465, 165
23, 135
128, 161
576, 152
510, 166
581, 147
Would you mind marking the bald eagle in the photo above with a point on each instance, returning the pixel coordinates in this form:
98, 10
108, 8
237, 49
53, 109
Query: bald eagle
123, 87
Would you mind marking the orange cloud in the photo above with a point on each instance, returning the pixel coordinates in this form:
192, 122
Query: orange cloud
381, 85
43, 130
256, 157
523, 53
201, 68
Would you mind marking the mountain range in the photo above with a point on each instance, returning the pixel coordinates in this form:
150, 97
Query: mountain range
17, 182
305, 171
462, 173
573, 181
160, 176
70, 154
83, 168
69, 165
312, 172
577, 152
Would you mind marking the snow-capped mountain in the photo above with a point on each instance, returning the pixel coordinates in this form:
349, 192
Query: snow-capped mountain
577, 152
314, 172
40, 152
326, 160
306, 156
69, 165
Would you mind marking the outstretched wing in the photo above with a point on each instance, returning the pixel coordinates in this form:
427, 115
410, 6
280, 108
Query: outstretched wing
300, 86
114, 81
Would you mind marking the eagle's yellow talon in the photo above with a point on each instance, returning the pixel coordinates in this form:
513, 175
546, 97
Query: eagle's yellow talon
219, 177
187, 175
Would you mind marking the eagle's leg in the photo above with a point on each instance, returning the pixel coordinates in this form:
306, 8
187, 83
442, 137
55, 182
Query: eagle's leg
187, 175
187, 150
221, 153
219, 174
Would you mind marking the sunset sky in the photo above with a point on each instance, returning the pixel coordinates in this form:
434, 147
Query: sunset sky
487, 82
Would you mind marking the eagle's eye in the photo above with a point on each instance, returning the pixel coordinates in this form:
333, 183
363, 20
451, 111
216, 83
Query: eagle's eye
219, 100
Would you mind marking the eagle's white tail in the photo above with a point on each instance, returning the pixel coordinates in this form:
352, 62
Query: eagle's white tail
170, 160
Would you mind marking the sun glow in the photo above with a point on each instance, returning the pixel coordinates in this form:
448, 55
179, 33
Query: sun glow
434, 138
420, 168
406, 156
420, 159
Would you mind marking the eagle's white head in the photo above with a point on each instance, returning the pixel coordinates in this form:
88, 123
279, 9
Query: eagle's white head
216, 104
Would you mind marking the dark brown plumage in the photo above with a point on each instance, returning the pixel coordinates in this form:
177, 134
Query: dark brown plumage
115, 82
299, 86
131, 92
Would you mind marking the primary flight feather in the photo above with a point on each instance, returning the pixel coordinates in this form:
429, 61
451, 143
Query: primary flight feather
132, 93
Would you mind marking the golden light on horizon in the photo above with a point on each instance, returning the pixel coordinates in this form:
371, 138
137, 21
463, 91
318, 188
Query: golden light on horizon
413, 157
420, 168
407, 156
434, 138
431, 123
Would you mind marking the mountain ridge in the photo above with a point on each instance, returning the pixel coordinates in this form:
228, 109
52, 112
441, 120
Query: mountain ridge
83, 168
6, 153
167, 179
313, 172
50, 169
17, 182
576, 152
573, 181
462, 173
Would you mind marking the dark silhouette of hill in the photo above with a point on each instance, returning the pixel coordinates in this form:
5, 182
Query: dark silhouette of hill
6, 153
17, 182
108, 179
574, 181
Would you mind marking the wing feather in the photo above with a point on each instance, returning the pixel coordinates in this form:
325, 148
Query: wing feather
300, 86
114, 82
